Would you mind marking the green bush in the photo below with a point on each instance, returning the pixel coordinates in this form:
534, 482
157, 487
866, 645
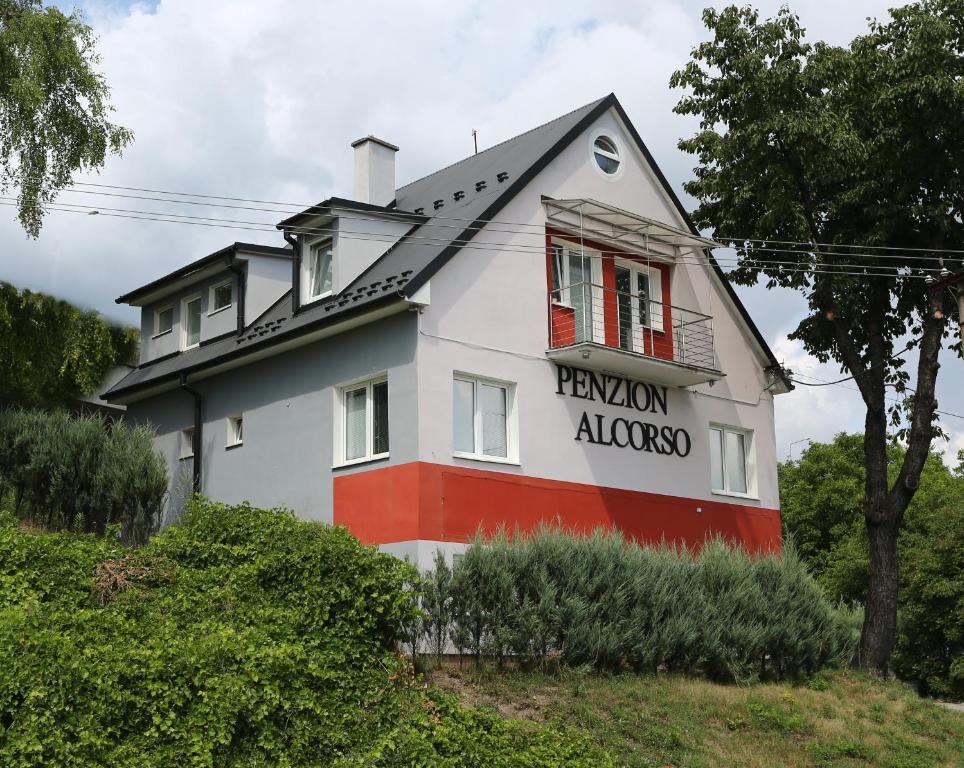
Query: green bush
930, 646
242, 637
78, 473
611, 604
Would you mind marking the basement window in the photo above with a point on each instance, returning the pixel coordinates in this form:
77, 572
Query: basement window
363, 422
235, 430
187, 443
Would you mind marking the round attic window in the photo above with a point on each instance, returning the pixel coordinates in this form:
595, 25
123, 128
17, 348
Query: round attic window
606, 155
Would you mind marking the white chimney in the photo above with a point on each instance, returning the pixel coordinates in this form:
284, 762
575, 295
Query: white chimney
374, 170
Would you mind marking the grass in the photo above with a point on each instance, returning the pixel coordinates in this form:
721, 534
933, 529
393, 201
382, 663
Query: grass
838, 719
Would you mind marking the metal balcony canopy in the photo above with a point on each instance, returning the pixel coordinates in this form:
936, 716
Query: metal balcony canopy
623, 229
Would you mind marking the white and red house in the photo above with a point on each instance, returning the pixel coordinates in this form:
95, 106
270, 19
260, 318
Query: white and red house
534, 334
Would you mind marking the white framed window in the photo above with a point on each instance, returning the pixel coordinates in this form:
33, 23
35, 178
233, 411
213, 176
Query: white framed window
163, 320
186, 448
577, 284
235, 430
732, 463
320, 269
220, 296
606, 154
362, 421
484, 419
190, 322
639, 301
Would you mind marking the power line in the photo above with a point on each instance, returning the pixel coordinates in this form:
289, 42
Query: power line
790, 267
865, 370
854, 389
485, 222
475, 225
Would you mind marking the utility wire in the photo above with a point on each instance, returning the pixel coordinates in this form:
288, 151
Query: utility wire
854, 389
785, 266
474, 225
788, 267
484, 222
865, 370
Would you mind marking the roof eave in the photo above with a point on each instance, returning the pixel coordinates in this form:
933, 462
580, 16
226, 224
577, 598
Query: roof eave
198, 266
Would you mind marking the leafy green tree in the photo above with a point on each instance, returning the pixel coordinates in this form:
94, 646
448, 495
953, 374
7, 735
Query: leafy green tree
930, 648
53, 106
52, 353
820, 497
830, 146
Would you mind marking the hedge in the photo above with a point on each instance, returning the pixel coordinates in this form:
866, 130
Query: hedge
613, 604
70, 472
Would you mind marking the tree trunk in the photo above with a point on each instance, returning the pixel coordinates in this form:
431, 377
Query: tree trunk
880, 613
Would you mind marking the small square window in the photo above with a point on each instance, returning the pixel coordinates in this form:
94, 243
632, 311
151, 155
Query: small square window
364, 422
235, 430
187, 443
163, 321
222, 296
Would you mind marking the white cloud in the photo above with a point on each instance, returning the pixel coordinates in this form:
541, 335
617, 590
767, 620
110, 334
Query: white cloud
262, 100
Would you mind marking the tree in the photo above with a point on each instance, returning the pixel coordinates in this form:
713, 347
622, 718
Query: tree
832, 147
821, 497
52, 353
53, 106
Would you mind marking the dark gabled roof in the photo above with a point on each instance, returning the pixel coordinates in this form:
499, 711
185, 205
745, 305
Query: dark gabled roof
195, 266
450, 205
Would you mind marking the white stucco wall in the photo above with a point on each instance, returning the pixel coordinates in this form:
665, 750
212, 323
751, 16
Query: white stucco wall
488, 316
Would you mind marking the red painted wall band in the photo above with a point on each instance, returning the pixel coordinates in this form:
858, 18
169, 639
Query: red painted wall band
437, 502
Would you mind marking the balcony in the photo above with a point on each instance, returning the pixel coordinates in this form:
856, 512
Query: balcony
593, 326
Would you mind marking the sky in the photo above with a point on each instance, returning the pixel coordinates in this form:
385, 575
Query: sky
261, 100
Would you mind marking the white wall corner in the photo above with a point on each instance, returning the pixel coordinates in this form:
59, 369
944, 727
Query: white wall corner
423, 296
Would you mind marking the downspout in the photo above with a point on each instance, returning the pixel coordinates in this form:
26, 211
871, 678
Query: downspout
196, 439
239, 271
295, 272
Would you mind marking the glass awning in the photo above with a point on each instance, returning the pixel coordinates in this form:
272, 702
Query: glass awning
599, 221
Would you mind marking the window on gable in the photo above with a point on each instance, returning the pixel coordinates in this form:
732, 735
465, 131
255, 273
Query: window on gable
222, 296
163, 321
730, 460
364, 421
191, 317
606, 155
319, 269
482, 418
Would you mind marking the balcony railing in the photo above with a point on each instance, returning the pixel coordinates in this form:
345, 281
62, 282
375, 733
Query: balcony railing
634, 323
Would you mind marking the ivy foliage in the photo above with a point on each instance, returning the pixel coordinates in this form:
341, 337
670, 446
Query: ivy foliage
605, 602
54, 110
242, 637
51, 352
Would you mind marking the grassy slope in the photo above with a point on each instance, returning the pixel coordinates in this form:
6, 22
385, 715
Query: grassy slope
840, 719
